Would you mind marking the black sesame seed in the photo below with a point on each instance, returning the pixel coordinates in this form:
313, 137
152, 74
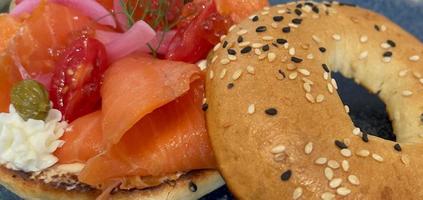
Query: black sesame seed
322, 49
205, 107
296, 60
246, 49
377, 27
282, 73
231, 52
298, 12
309, 4
421, 117
225, 44
275, 45
391, 43
271, 111
387, 54
255, 18
230, 85
326, 68
299, 5
365, 137
348, 4
277, 18
192, 186
281, 41
297, 21
286, 175
397, 147
315, 9
328, 5
265, 47
261, 29
286, 29
341, 145
240, 39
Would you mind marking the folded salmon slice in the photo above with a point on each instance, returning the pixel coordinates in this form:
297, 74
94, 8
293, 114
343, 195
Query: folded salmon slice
171, 139
152, 109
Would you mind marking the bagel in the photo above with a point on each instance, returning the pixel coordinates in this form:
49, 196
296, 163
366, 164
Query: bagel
277, 125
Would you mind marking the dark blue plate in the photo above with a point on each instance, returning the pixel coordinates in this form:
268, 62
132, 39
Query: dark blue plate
367, 112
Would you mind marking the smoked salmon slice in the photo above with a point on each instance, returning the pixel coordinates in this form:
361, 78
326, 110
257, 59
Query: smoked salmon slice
239, 9
83, 139
171, 139
137, 85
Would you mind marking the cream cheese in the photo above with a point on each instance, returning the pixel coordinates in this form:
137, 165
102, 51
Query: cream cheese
29, 145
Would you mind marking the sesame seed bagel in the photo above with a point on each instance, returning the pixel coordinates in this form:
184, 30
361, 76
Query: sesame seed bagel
277, 125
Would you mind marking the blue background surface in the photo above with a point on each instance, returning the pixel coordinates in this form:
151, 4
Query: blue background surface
367, 112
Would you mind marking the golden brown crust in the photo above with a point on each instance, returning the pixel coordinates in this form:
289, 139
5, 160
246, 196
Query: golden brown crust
20, 183
242, 88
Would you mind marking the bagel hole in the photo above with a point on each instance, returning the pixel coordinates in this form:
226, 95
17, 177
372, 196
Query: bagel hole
367, 110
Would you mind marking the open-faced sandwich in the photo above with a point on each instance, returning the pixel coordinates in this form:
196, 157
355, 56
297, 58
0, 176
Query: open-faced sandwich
103, 99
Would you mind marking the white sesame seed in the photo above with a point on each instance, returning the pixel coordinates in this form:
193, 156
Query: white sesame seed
244, 44
363, 153
266, 8
405, 159
257, 45
250, 69
214, 59
211, 74
385, 45
242, 32
232, 28
251, 109
333, 164
292, 51
417, 75
306, 8
267, 38
346, 152
377, 157
277, 149
232, 57
347, 109
356, 131
383, 28
321, 161
320, 98
334, 183
291, 67
335, 85
281, 11
274, 25
222, 73
286, 45
271, 57
307, 87
387, 59
364, 39
257, 52
304, 72
316, 39
293, 75
363, 55
343, 191
403, 73
310, 98
310, 56
237, 74
279, 157
345, 165
407, 93
251, 17
353, 179
225, 61
308, 148
315, 16
336, 37
414, 58
264, 13
280, 5
325, 75
330, 88
328, 173
297, 193
327, 196
293, 25
217, 46
306, 80
305, 46
222, 37
421, 80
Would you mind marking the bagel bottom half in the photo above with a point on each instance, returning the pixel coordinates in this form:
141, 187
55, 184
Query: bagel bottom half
192, 185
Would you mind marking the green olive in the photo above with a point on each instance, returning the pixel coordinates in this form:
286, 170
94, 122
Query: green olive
30, 99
